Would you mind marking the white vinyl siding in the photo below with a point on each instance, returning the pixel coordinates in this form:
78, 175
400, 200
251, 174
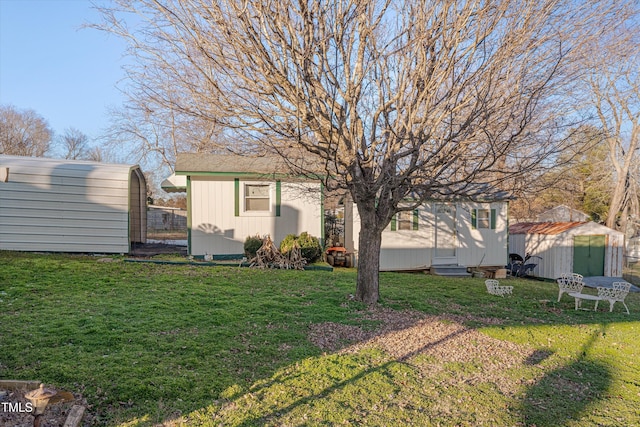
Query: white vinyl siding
217, 230
414, 249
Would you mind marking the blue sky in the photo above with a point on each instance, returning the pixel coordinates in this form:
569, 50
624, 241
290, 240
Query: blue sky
68, 75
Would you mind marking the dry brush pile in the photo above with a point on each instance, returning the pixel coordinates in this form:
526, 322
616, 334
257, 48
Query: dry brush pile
268, 256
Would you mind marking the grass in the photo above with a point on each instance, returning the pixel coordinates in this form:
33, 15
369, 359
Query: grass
148, 344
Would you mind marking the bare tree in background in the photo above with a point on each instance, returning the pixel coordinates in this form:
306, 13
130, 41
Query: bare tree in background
581, 179
23, 132
396, 105
75, 144
614, 88
155, 133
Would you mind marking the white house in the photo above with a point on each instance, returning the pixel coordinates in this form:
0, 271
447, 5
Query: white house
585, 248
562, 213
440, 233
70, 205
231, 197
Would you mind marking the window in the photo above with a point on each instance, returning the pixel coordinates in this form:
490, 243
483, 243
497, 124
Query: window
404, 220
483, 218
256, 197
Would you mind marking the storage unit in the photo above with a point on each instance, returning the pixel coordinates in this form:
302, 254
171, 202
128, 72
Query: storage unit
585, 248
71, 206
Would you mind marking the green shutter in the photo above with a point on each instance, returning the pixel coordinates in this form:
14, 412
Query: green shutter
474, 219
236, 206
278, 197
393, 223
493, 219
415, 219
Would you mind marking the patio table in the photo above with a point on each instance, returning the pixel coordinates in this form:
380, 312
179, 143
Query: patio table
579, 297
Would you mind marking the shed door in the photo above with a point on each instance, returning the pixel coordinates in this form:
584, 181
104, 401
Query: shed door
588, 255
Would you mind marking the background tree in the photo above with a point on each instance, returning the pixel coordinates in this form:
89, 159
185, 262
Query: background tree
581, 178
75, 144
613, 86
150, 131
396, 105
23, 132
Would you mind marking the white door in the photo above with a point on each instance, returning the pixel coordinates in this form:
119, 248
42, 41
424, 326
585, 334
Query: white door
446, 242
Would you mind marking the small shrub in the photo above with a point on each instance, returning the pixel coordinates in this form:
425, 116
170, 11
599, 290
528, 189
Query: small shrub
251, 246
309, 246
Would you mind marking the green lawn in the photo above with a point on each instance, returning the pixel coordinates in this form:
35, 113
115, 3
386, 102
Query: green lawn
150, 344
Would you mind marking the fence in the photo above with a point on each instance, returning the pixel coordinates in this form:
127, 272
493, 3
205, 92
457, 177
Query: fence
631, 269
166, 220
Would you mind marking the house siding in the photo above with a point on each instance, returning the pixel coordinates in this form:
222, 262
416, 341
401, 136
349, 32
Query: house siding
219, 227
482, 246
414, 249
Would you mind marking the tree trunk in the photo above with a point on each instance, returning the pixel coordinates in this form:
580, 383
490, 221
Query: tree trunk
367, 287
616, 204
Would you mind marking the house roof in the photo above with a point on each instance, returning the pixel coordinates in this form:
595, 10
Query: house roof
228, 163
543, 227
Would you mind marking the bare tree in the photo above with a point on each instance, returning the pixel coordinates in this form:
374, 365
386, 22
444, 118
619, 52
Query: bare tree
152, 133
75, 144
614, 89
396, 105
102, 154
581, 178
23, 132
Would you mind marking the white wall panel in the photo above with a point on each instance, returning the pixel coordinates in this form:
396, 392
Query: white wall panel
414, 249
216, 230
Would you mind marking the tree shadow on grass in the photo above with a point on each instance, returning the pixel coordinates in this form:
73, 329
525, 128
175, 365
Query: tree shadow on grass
564, 393
557, 397
316, 379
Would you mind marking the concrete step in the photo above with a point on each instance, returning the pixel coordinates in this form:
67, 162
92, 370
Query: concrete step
449, 271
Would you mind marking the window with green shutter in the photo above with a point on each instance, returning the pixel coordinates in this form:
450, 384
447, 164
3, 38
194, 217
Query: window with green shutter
256, 198
483, 218
405, 220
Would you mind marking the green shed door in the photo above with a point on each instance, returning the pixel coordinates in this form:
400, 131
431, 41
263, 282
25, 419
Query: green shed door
588, 255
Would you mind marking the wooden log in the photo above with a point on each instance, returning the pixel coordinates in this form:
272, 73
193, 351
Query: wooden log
19, 385
75, 416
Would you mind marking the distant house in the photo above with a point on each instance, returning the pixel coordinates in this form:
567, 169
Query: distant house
232, 197
441, 233
70, 205
562, 213
580, 247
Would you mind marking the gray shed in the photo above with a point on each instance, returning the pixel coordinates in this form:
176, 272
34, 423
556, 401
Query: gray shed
70, 206
580, 247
